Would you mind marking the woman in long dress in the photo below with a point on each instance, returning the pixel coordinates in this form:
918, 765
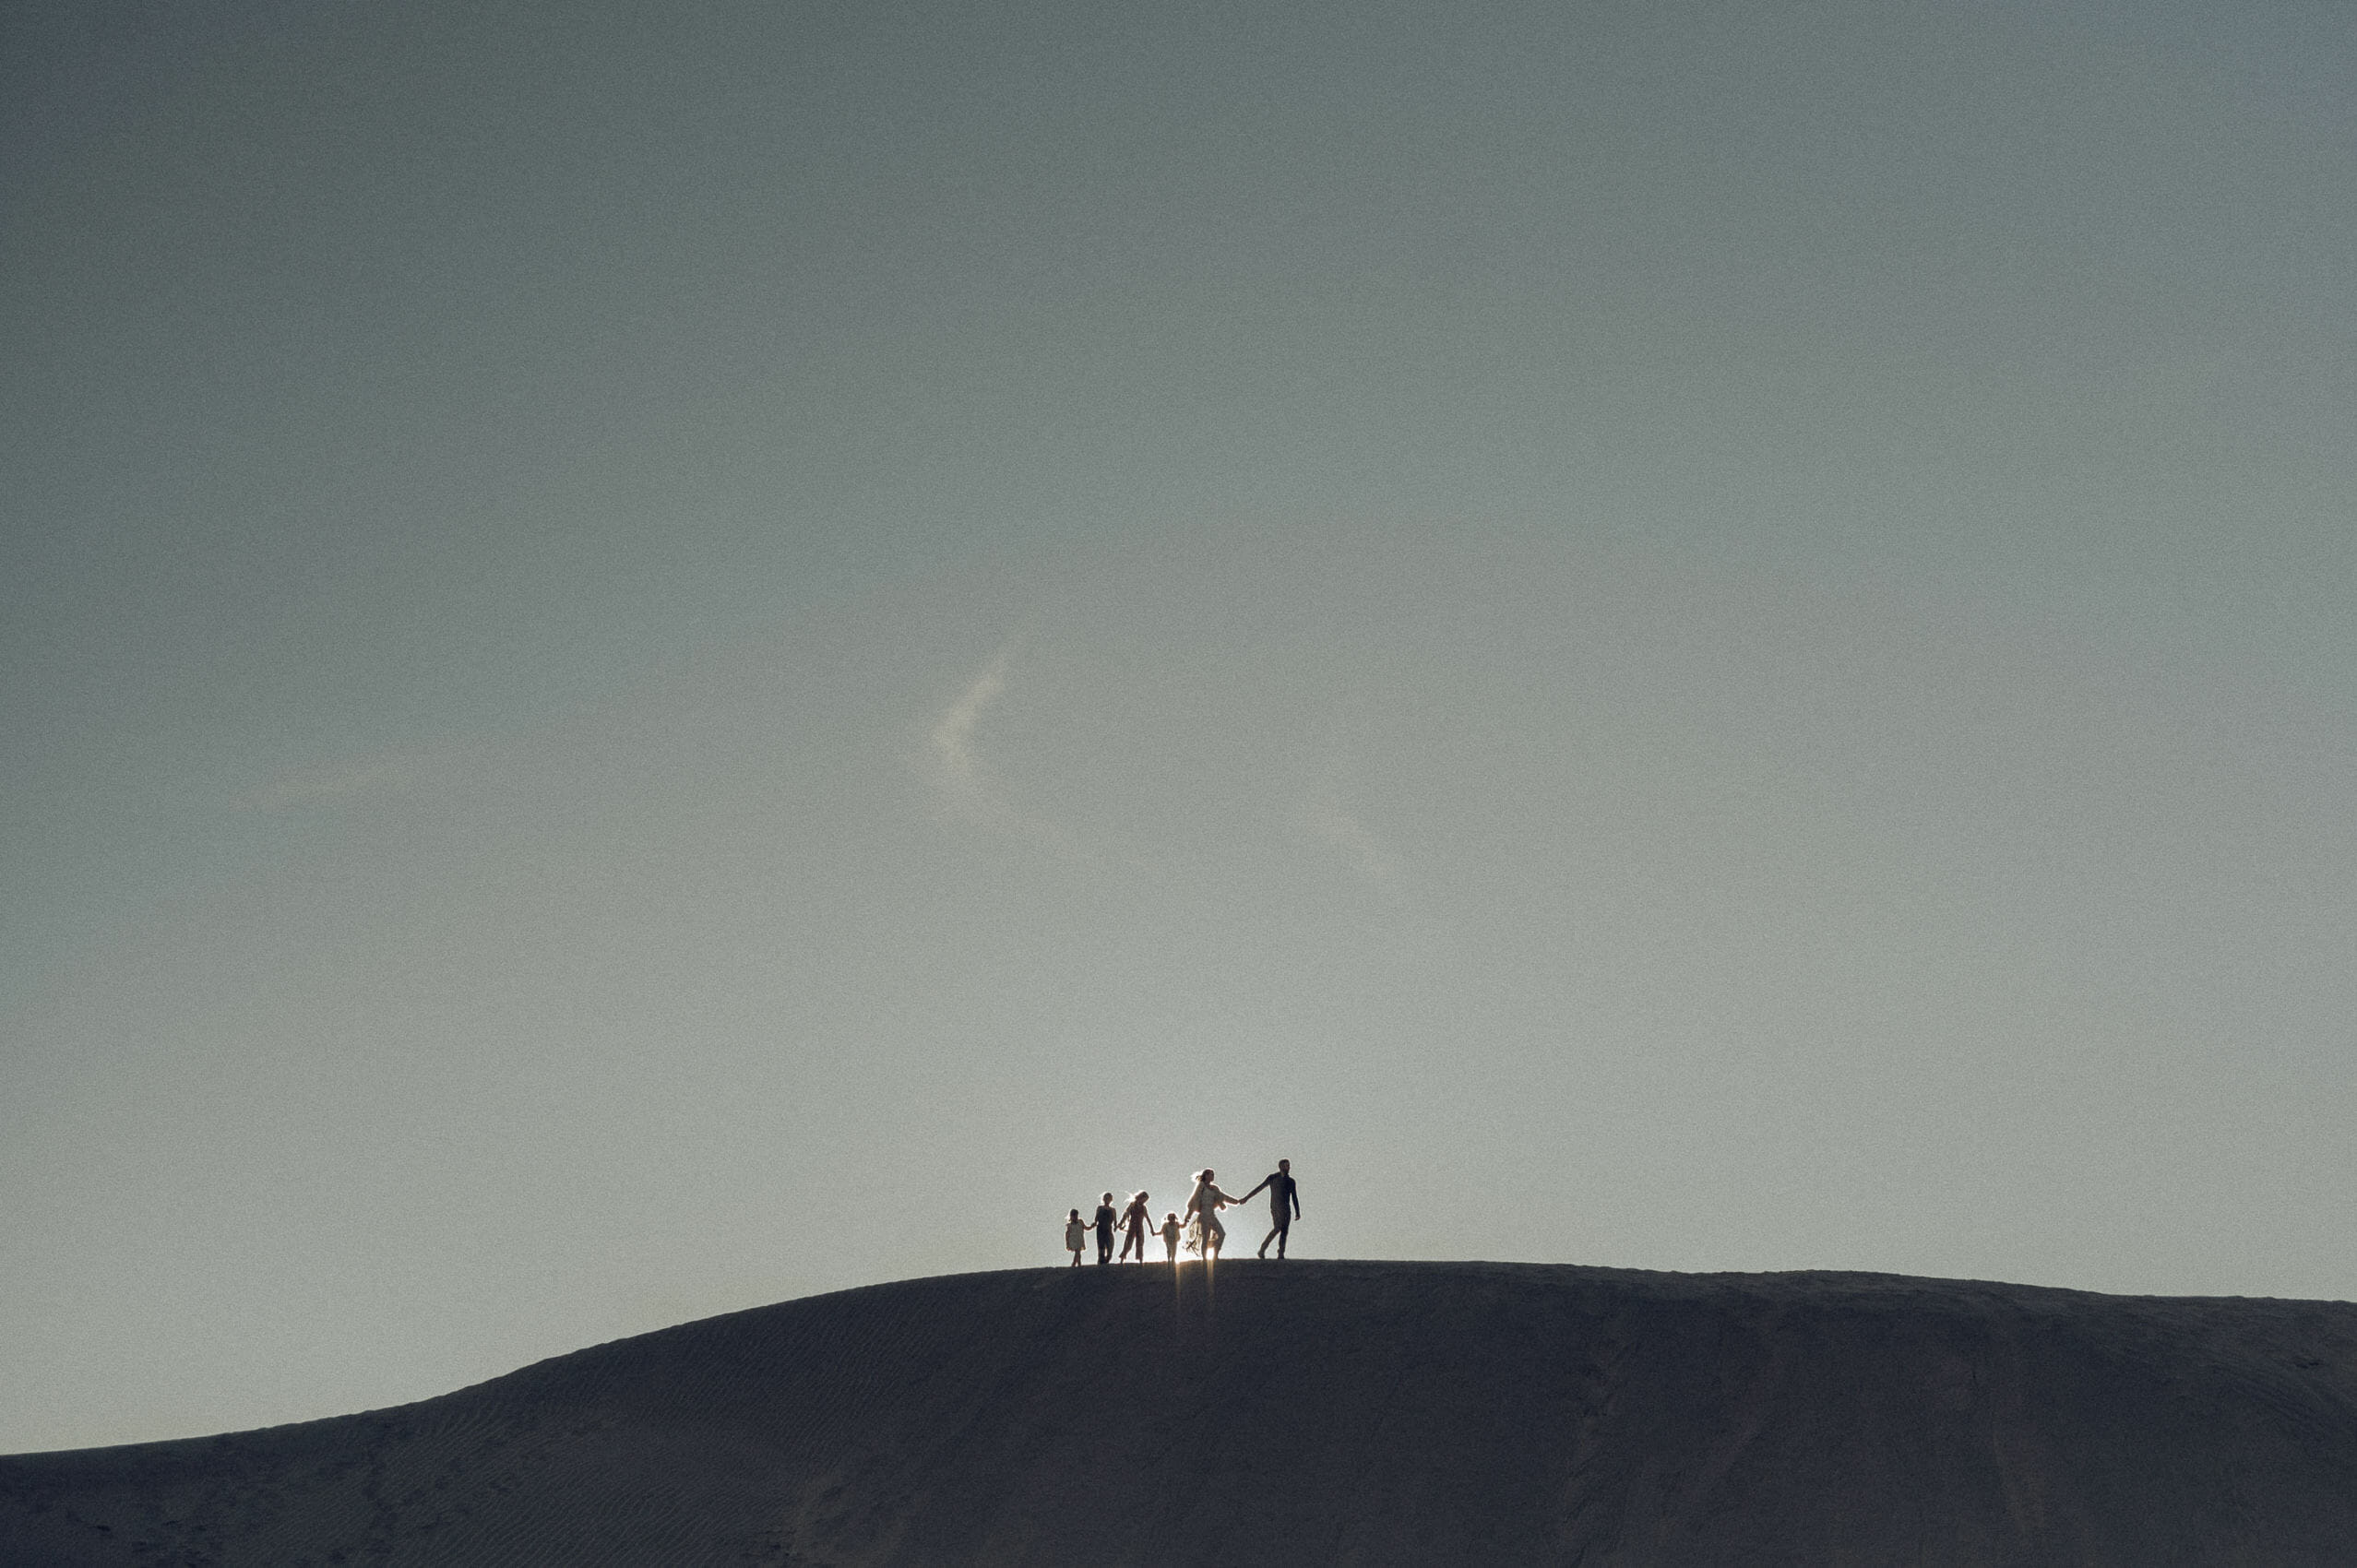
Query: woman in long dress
1204, 1210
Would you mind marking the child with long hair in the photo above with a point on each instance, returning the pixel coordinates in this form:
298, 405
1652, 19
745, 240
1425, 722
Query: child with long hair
1135, 1223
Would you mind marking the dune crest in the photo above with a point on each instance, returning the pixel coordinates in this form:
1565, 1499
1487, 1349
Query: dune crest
1309, 1412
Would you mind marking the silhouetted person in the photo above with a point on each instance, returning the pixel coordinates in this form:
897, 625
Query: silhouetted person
1171, 1228
1135, 1223
1076, 1236
1284, 1206
1105, 1230
1203, 1208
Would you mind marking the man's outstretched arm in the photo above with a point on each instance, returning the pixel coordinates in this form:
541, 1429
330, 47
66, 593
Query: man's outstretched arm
1255, 1191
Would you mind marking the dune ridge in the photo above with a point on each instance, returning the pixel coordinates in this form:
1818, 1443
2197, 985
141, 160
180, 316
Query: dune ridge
1364, 1413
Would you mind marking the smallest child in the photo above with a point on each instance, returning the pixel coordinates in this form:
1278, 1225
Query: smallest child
1171, 1228
1076, 1236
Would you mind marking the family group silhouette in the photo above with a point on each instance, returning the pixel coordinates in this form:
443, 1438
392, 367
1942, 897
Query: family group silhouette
1201, 1230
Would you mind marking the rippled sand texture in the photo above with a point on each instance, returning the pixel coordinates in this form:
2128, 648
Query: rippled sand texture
1309, 1413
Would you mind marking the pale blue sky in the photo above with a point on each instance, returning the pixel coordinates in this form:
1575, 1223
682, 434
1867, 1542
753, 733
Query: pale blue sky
653, 664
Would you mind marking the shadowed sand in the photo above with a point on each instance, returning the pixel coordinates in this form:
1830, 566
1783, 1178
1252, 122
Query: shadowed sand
1314, 1412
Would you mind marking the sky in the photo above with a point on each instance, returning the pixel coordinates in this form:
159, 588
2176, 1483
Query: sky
655, 660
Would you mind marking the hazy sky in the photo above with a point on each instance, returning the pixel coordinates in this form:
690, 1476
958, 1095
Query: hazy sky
662, 658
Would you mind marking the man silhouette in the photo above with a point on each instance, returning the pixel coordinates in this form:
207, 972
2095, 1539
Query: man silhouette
1284, 1206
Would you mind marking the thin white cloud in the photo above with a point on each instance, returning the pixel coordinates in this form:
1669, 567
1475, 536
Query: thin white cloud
964, 782
356, 779
1330, 820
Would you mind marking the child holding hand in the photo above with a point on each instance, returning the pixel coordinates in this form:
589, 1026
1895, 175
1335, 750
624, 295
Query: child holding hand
1075, 1235
1171, 1228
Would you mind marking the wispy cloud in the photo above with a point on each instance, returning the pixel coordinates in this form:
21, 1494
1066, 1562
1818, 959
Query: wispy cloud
357, 779
1329, 818
963, 782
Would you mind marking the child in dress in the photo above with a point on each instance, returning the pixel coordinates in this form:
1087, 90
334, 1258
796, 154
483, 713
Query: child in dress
1076, 1236
1170, 1235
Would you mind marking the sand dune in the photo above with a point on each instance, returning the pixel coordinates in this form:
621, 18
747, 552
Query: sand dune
1311, 1412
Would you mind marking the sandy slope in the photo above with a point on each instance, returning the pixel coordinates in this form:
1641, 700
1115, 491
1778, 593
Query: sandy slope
1311, 1412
